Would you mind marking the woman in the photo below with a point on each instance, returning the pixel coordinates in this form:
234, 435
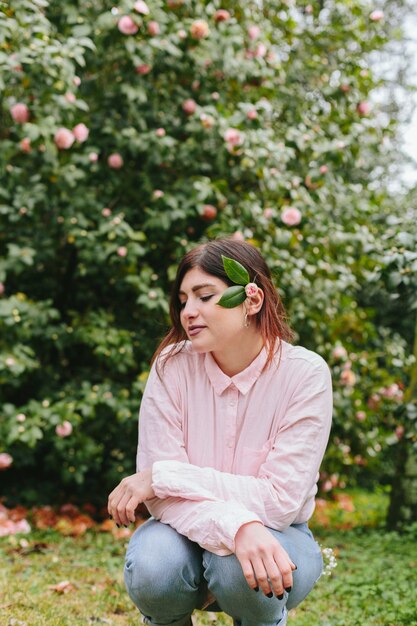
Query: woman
233, 426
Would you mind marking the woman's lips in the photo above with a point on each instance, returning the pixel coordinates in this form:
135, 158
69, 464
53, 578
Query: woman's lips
195, 330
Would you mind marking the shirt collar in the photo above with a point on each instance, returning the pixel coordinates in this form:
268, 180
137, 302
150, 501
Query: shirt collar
243, 381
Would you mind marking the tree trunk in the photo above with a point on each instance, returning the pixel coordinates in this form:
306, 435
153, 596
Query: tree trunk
403, 501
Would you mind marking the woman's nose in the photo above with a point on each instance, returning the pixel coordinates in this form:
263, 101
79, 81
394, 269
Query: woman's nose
189, 309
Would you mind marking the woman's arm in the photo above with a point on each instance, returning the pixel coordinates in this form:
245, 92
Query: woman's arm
289, 473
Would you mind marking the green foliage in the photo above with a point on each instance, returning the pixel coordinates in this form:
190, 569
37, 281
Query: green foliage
356, 594
209, 127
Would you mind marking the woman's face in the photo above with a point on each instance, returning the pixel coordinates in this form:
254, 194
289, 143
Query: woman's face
210, 327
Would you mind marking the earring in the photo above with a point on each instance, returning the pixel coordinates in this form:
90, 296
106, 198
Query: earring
246, 322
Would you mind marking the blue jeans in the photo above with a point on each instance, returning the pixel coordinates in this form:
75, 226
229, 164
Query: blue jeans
168, 576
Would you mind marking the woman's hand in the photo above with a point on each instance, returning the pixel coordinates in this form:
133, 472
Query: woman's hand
264, 561
132, 491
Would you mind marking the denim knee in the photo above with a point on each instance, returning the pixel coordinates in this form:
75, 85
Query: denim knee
163, 571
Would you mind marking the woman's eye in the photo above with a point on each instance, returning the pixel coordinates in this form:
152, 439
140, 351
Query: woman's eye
182, 305
206, 298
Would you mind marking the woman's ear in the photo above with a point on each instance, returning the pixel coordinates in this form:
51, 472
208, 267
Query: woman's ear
253, 304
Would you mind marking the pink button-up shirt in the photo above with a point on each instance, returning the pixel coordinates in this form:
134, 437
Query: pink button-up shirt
228, 451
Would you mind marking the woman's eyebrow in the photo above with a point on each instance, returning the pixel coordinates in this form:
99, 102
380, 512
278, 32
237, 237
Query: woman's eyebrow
196, 288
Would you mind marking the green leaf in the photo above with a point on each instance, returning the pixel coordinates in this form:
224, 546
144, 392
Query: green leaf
233, 296
235, 271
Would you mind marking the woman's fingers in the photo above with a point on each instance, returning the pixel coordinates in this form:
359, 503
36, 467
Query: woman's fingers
285, 566
261, 576
275, 577
248, 573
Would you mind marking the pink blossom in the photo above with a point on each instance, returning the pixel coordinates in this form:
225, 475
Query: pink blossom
122, 251
70, 97
106, 212
93, 157
153, 28
254, 32
252, 114
5, 460
158, 193
115, 161
9, 527
25, 145
152, 295
399, 431
309, 9
80, 132
360, 415
20, 113
392, 391
77, 81
268, 213
251, 290
206, 121
348, 378
64, 429
339, 352
233, 137
189, 106
363, 108
10, 361
160, 132
376, 15
199, 29
221, 15
2, 289
20, 417
141, 7
143, 69
64, 138
238, 236
291, 216
324, 169
327, 486
373, 401
215, 95
260, 50
127, 26
182, 34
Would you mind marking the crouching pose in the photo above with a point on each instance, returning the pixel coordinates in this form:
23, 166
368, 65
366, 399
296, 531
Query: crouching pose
233, 426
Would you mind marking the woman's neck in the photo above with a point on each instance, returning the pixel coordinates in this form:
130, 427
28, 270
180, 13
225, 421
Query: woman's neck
235, 359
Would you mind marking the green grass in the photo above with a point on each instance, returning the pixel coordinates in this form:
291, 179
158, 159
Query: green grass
374, 584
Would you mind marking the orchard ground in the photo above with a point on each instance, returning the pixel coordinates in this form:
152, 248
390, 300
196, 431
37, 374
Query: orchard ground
55, 580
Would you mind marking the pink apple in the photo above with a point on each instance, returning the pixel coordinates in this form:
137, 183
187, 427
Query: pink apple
363, 108
64, 429
25, 145
209, 212
143, 69
377, 15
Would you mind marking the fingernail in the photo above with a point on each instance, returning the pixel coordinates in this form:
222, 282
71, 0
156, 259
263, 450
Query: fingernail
280, 597
118, 525
288, 589
295, 567
269, 595
256, 588
110, 517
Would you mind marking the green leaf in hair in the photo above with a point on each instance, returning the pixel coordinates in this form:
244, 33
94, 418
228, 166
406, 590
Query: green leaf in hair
235, 271
233, 296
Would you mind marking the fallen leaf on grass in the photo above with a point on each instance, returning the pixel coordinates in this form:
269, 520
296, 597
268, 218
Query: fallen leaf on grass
107, 526
63, 587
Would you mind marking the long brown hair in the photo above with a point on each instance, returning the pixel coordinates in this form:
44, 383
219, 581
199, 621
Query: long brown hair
271, 319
